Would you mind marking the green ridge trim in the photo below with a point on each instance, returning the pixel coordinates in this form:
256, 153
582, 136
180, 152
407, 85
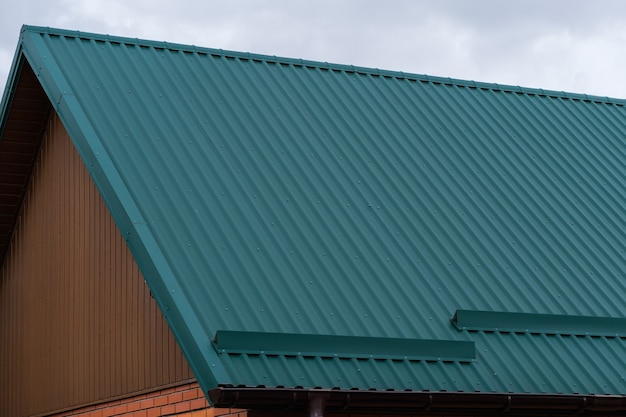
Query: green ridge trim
289, 344
323, 65
498, 321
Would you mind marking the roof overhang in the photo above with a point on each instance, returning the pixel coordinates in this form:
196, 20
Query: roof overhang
314, 401
24, 112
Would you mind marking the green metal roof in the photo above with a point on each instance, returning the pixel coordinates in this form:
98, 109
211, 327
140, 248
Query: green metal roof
305, 224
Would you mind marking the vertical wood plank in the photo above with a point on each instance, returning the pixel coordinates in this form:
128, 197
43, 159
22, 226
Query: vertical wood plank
75, 314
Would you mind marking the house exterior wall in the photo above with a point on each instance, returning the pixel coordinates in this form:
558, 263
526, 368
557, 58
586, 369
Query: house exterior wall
77, 323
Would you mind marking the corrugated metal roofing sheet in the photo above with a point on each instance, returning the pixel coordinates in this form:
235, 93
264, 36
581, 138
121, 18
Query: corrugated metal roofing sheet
262, 194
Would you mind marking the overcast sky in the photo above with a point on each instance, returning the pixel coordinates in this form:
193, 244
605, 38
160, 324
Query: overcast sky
571, 45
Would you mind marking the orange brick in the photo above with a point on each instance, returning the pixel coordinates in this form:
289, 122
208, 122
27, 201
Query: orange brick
200, 393
149, 403
160, 401
153, 394
182, 407
199, 403
109, 411
134, 406
140, 413
167, 410
175, 398
120, 409
154, 412
190, 394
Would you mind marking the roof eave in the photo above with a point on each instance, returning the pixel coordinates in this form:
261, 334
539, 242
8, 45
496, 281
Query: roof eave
11, 85
24, 111
271, 400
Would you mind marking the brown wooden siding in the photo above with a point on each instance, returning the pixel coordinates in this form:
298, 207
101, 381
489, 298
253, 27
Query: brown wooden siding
77, 322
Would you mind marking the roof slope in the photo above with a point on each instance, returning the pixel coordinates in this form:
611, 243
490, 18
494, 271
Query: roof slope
346, 227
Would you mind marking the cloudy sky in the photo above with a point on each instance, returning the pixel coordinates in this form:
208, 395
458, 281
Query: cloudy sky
571, 45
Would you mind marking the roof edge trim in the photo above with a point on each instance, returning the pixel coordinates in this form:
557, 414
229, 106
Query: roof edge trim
555, 324
375, 72
11, 84
308, 345
414, 402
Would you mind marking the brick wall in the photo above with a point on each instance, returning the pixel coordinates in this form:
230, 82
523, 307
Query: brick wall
181, 401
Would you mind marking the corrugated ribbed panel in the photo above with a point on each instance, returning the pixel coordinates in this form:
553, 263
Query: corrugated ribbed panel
297, 197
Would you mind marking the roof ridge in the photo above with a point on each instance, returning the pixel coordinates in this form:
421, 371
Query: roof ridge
298, 62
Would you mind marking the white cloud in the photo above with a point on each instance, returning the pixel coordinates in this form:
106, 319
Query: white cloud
6, 59
571, 45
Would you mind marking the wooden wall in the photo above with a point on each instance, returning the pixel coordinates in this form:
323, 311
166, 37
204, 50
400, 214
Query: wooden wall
77, 322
